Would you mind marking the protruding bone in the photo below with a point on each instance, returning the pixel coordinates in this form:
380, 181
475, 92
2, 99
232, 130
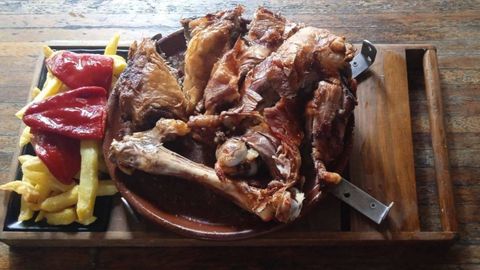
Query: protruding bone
142, 151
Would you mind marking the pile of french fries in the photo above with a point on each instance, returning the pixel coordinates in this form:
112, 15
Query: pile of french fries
57, 203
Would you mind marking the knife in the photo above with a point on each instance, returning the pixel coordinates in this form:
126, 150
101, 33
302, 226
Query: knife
346, 191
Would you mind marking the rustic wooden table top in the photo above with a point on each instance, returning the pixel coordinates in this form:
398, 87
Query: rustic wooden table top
452, 26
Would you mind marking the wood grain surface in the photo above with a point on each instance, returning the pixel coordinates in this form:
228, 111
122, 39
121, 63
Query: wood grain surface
452, 26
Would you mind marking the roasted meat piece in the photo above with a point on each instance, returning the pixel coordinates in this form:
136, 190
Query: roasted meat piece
276, 140
266, 32
327, 115
147, 90
267, 93
209, 38
144, 151
274, 143
301, 60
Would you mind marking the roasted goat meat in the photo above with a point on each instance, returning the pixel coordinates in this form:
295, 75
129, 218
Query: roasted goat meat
209, 38
144, 151
301, 60
327, 115
148, 89
266, 32
309, 55
259, 96
275, 140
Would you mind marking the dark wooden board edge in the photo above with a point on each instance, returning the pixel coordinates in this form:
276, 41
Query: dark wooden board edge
141, 239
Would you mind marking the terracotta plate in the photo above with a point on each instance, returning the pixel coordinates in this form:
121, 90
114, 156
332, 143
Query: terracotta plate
186, 207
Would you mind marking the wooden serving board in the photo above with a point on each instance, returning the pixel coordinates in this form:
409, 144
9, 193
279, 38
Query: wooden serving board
382, 163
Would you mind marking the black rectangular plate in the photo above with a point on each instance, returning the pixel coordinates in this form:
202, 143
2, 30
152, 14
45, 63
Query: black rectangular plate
103, 205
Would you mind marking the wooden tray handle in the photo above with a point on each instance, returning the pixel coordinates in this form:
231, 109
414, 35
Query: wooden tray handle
439, 141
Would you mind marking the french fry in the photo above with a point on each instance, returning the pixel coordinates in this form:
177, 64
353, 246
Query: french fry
47, 51
25, 137
23, 158
33, 164
46, 179
33, 206
38, 173
27, 190
35, 92
87, 190
40, 216
25, 212
43, 192
111, 48
119, 64
70, 197
64, 217
106, 188
60, 201
88, 221
51, 87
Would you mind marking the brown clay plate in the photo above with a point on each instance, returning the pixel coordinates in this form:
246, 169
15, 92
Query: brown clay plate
189, 208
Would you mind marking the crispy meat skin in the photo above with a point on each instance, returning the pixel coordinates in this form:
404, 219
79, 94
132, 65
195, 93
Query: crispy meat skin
275, 141
144, 151
267, 32
277, 83
210, 38
327, 115
309, 54
147, 89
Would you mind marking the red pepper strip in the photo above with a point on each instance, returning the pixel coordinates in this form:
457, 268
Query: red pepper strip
78, 113
60, 154
81, 69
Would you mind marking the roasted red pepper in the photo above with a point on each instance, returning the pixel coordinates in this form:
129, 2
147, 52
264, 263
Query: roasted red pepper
78, 113
60, 154
76, 70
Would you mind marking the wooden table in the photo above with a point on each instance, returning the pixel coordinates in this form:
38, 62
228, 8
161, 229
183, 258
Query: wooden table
452, 26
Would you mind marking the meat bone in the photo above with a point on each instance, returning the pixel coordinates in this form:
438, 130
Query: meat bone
173, 164
144, 151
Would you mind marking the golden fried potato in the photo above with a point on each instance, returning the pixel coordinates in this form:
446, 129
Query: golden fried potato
64, 217
60, 201
119, 64
87, 221
40, 216
27, 190
106, 188
23, 158
25, 212
87, 190
51, 87
35, 92
111, 48
47, 51
43, 192
25, 137
37, 172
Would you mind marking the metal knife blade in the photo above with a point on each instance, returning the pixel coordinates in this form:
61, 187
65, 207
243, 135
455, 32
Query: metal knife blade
364, 59
361, 201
